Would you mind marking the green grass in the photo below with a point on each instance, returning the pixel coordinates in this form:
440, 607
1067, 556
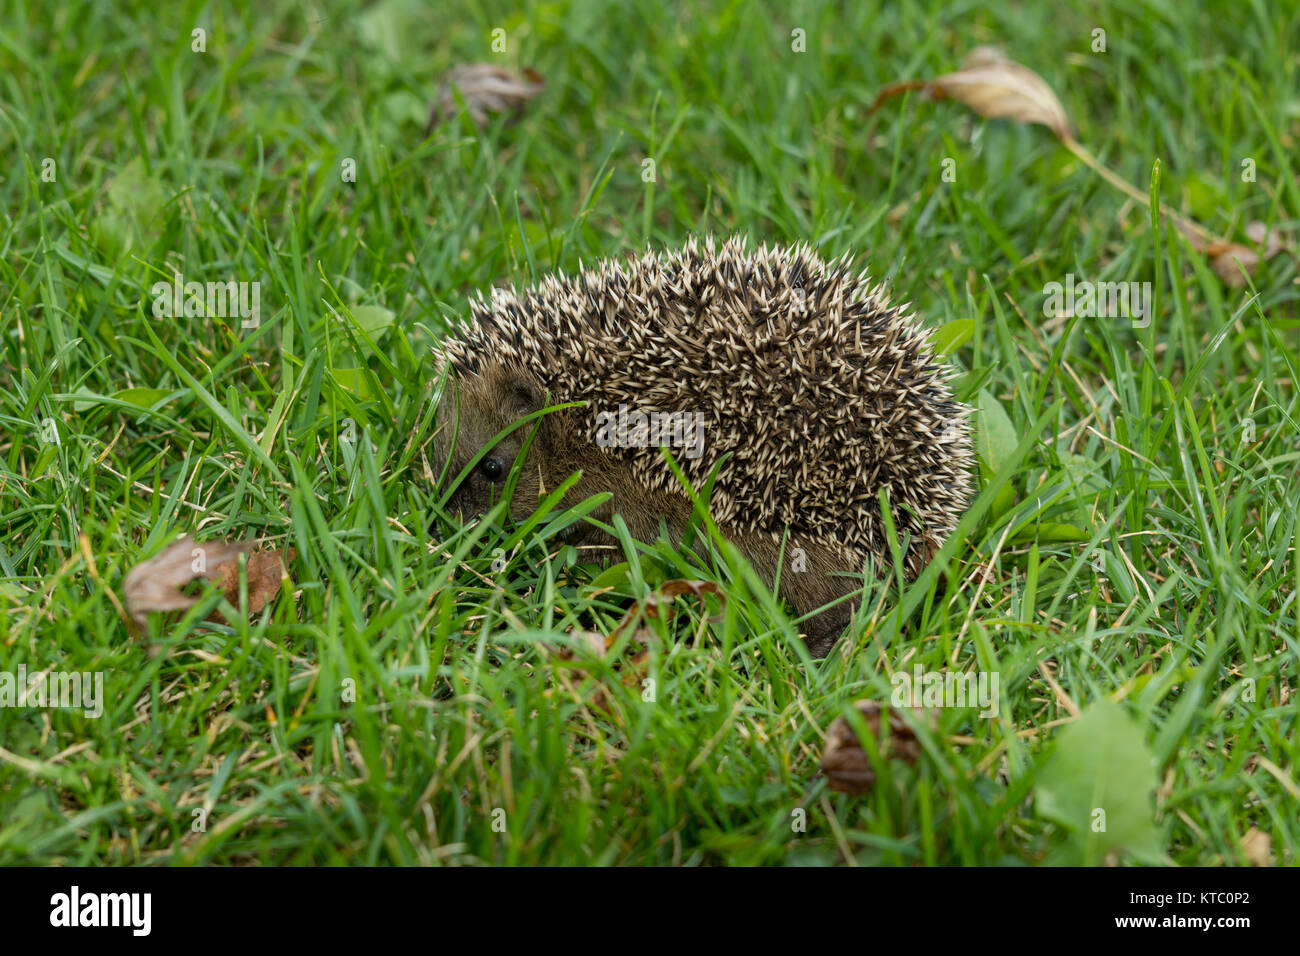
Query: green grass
408, 694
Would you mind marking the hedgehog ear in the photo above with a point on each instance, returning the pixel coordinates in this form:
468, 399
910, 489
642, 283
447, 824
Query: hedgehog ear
522, 398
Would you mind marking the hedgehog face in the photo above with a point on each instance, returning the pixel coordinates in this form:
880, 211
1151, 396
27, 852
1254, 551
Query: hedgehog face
491, 399
469, 415
475, 409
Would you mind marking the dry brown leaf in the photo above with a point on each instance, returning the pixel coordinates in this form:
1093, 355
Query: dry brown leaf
154, 585
485, 88
264, 570
845, 764
594, 642
1229, 259
1271, 239
1225, 256
679, 586
668, 591
657, 604
1257, 847
996, 87
597, 645
1000, 88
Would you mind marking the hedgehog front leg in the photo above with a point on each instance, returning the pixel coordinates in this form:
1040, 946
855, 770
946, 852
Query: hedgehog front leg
821, 578
822, 631
813, 574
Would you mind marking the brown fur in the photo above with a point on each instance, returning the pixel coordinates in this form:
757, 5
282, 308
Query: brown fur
495, 399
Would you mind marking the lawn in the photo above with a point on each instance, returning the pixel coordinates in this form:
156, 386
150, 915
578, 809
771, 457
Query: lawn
418, 692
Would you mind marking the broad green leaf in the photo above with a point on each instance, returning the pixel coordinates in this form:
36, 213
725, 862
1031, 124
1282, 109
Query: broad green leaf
995, 436
1099, 784
1087, 477
615, 576
354, 380
951, 336
1205, 195
142, 397
403, 106
1182, 675
135, 201
373, 318
995, 441
1084, 472
387, 28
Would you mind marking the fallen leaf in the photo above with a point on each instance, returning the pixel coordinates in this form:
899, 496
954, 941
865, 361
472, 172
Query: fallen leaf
1257, 847
656, 604
1271, 239
669, 590
264, 570
993, 86
154, 585
1000, 88
1230, 258
485, 88
593, 642
845, 764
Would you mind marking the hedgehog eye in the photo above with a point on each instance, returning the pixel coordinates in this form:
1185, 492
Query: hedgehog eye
492, 468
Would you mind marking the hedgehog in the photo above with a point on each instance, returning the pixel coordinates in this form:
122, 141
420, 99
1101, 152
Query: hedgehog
786, 385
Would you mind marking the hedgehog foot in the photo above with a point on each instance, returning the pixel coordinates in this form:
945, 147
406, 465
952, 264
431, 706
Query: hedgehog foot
822, 631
